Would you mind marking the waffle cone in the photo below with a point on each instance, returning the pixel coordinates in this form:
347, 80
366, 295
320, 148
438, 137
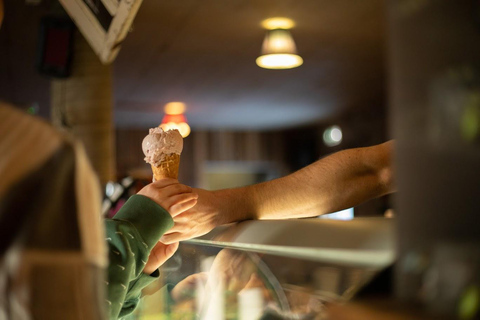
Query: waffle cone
168, 168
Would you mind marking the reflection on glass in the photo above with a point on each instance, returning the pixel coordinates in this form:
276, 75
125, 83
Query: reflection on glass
216, 284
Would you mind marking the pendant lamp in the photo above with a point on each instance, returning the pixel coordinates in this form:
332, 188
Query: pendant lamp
279, 50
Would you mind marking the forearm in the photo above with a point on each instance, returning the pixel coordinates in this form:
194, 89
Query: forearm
342, 180
339, 181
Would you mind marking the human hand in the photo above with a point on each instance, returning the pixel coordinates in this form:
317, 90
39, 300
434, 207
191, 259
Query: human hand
175, 198
198, 220
185, 289
256, 282
159, 254
170, 195
232, 268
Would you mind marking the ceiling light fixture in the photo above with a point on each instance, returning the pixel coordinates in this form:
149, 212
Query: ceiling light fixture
278, 49
175, 119
332, 136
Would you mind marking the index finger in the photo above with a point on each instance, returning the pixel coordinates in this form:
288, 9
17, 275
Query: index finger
164, 182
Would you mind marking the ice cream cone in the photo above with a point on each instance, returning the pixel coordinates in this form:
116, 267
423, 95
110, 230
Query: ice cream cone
162, 150
168, 168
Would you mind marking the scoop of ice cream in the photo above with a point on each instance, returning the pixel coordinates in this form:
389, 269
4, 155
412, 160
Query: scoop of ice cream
158, 143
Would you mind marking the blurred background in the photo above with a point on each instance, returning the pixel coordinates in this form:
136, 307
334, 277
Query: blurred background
369, 71
248, 123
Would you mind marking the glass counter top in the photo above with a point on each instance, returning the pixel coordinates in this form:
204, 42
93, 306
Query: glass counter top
269, 270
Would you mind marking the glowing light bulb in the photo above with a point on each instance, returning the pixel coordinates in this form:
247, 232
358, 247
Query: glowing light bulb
332, 136
182, 127
279, 61
278, 23
174, 108
174, 118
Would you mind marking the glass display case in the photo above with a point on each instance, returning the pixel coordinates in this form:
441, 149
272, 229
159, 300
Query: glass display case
270, 270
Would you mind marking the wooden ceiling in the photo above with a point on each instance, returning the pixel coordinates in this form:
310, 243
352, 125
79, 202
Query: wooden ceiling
203, 53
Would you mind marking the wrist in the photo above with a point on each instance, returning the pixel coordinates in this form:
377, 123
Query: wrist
234, 205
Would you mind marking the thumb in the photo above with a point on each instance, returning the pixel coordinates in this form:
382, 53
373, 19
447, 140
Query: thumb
165, 251
159, 254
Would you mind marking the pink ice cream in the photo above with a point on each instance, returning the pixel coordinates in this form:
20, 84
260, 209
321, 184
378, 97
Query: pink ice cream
158, 143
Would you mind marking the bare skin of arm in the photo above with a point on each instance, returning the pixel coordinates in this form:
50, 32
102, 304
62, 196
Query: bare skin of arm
341, 180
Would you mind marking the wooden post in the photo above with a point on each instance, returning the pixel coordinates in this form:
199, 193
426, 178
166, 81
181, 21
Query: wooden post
82, 104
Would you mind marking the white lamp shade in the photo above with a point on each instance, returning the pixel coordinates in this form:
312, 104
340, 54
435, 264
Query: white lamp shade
279, 51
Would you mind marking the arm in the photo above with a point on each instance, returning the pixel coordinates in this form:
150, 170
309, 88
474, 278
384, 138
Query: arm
132, 235
341, 180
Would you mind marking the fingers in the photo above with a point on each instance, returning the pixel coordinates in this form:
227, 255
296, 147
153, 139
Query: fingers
171, 195
164, 182
180, 206
163, 251
184, 229
178, 227
177, 204
170, 250
181, 232
166, 186
159, 254
177, 198
173, 189
173, 237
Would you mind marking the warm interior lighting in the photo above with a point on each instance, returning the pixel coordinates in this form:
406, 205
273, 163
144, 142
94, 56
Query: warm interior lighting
182, 127
174, 118
175, 108
279, 61
279, 50
278, 23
